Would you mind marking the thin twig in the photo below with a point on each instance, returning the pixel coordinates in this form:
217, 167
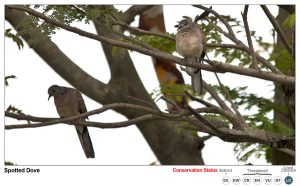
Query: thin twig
283, 79
278, 29
247, 30
27, 117
226, 134
215, 95
221, 18
141, 31
171, 102
246, 49
142, 101
144, 118
103, 109
204, 121
224, 110
138, 42
241, 122
193, 98
204, 138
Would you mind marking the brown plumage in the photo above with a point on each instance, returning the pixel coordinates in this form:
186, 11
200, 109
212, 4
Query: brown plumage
69, 102
190, 45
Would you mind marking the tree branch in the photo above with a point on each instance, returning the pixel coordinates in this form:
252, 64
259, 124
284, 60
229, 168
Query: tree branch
59, 62
221, 18
289, 8
134, 10
284, 79
225, 133
51, 121
141, 31
144, 118
238, 42
205, 121
242, 123
278, 29
247, 30
220, 66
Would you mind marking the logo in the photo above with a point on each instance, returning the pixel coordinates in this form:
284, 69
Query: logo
288, 180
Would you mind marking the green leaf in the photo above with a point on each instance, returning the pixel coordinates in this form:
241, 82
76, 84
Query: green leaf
162, 44
284, 61
13, 109
8, 163
15, 37
289, 22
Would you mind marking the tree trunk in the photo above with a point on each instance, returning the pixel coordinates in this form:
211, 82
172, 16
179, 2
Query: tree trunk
170, 144
166, 72
282, 97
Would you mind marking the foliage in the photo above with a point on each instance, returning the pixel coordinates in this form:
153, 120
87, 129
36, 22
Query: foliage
162, 44
174, 91
212, 32
243, 151
284, 60
289, 22
67, 14
8, 163
260, 117
13, 109
15, 37
261, 109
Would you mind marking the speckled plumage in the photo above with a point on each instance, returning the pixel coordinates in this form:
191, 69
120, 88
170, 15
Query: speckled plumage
190, 45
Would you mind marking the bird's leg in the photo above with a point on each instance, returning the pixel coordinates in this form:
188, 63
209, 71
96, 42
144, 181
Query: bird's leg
185, 70
189, 70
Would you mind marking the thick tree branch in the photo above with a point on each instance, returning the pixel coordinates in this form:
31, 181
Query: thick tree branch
220, 66
133, 11
224, 109
59, 62
223, 132
145, 114
242, 122
289, 8
205, 121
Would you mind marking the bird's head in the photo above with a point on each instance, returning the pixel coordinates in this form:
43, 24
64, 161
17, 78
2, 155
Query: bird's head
53, 90
184, 23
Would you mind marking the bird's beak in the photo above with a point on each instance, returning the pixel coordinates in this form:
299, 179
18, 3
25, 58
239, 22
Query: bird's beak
49, 97
176, 27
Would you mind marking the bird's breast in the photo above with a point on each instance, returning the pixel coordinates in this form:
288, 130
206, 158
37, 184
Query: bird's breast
65, 107
189, 45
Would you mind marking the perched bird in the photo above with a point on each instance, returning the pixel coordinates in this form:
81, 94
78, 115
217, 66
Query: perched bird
190, 45
69, 102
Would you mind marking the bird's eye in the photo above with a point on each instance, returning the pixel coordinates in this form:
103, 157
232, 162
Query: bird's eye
53, 91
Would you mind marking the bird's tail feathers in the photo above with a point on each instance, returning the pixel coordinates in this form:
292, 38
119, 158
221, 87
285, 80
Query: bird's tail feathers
197, 82
86, 142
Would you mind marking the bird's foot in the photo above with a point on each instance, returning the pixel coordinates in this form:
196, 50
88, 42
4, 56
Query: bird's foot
186, 69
